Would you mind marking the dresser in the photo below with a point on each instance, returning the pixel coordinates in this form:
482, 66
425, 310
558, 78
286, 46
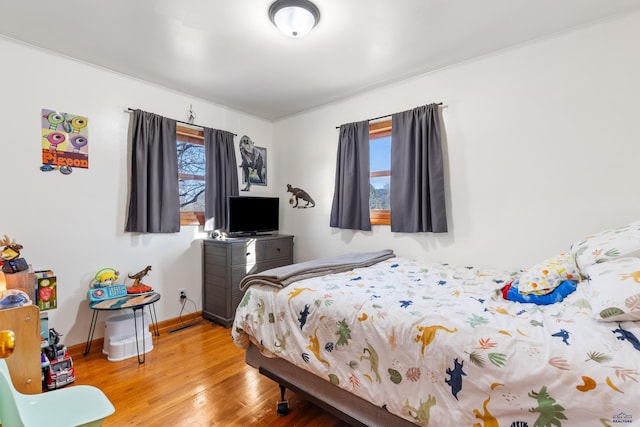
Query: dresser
226, 261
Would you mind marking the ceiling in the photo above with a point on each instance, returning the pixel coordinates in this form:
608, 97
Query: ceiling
229, 53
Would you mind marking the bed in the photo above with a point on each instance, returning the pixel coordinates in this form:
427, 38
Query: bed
403, 342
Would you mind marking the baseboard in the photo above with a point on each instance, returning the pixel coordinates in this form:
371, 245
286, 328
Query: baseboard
163, 327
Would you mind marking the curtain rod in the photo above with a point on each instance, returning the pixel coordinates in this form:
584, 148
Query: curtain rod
382, 117
130, 110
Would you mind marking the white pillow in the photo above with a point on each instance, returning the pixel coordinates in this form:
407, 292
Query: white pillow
547, 275
607, 245
615, 289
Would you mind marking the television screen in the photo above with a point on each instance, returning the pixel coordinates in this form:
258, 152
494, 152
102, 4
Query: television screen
252, 215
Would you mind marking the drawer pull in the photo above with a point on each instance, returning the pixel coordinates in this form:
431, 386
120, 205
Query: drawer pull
278, 249
248, 253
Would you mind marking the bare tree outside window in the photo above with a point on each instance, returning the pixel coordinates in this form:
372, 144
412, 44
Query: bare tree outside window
191, 174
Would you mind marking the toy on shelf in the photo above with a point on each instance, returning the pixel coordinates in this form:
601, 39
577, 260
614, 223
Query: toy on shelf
10, 256
14, 298
59, 370
138, 287
47, 289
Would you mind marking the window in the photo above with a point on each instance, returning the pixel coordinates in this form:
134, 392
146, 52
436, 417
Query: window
380, 172
191, 174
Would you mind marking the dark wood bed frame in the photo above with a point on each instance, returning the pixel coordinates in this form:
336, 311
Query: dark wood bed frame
344, 405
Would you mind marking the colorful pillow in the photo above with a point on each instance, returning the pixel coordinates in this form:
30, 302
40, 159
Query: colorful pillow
510, 292
615, 289
544, 277
607, 245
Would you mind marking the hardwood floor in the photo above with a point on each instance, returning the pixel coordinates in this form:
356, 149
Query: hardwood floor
192, 377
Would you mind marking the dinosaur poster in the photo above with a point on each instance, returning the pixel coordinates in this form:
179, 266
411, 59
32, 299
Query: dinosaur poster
64, 140
253, 163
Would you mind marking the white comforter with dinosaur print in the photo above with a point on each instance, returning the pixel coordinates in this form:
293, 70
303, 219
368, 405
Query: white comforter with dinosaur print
437, 345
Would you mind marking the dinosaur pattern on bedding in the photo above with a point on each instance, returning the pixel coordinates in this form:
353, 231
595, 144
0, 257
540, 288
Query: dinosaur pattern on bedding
438, 345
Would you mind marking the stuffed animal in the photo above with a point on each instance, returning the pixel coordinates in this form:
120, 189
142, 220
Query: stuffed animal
11, 248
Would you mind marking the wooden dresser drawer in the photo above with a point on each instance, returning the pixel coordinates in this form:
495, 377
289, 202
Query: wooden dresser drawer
244, 252
274, 249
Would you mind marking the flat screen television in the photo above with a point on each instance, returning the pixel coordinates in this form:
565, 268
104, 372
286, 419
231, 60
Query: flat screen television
249, 215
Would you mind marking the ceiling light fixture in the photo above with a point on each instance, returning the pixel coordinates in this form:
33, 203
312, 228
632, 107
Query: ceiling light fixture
294, 18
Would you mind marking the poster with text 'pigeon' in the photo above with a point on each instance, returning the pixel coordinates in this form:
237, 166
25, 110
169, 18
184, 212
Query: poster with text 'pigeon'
65, 141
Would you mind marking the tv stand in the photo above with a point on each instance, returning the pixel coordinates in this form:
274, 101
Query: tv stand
226, 261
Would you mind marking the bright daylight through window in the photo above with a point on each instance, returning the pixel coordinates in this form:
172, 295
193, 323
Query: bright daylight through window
380, 172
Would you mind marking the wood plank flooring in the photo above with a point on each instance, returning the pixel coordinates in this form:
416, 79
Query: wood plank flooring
192, 377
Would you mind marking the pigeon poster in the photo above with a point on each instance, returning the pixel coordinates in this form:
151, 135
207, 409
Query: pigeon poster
65, 141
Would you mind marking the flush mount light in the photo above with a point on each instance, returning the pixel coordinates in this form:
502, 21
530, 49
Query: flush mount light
294, 18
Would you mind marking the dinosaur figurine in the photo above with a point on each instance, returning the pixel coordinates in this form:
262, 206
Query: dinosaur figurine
297, 194
137, 286
140, 274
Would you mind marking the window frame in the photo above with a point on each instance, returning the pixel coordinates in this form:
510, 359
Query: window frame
378, 130
196, 137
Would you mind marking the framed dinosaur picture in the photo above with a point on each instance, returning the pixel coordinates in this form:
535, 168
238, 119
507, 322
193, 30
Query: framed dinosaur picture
253, 162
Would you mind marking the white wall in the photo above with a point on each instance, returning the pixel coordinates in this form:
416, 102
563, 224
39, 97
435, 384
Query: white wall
75, 224
541, 142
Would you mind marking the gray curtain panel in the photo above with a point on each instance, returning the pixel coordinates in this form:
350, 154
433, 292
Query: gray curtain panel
417, 175
154, 204
350, 209
221, 177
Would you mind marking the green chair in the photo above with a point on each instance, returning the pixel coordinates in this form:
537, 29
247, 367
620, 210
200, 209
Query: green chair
76, 405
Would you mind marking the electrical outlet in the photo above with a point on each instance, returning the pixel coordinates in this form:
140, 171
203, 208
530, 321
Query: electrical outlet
182, 294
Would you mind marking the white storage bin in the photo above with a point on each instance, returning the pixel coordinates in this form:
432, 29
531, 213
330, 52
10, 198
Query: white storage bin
120, 336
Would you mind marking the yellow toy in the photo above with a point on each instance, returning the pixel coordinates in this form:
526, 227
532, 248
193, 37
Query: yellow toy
107, 276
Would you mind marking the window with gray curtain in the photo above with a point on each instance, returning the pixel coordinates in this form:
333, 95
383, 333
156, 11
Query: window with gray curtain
350, 208
154, 205
417, 199
221, 177
417, 173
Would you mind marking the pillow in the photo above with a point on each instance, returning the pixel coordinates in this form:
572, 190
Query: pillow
510, 292
544, 277
607, 245
615, 289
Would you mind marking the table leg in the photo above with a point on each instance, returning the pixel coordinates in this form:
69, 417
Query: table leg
154, 320
141, 359
92, 328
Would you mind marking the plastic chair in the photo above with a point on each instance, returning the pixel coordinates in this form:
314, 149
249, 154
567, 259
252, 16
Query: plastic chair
78, 405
